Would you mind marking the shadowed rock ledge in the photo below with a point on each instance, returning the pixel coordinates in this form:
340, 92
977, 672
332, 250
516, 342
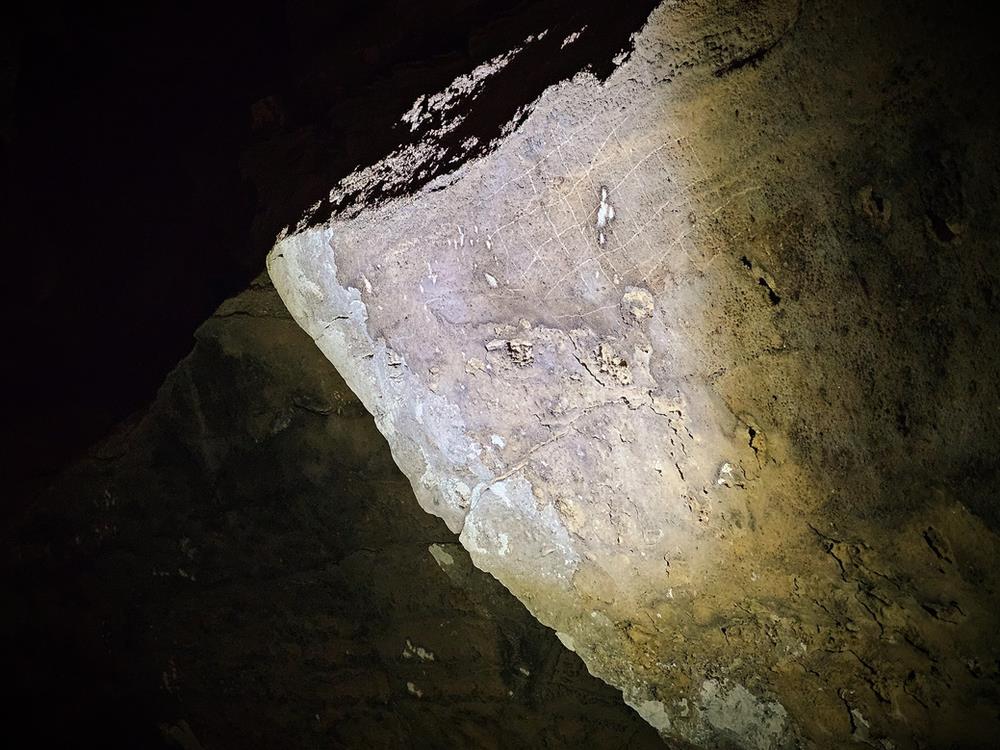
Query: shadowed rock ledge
243, 566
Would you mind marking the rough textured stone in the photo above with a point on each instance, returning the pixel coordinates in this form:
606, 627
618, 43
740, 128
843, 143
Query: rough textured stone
696, 361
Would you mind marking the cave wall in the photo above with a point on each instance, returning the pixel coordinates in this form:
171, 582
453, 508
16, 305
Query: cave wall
701, 363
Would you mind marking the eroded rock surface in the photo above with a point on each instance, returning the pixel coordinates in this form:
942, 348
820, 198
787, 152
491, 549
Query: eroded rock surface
701, 363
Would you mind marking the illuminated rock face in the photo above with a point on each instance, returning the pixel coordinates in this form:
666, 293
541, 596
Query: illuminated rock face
681, 361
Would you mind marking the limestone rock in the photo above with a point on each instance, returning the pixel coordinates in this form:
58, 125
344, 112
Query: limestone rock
693, 425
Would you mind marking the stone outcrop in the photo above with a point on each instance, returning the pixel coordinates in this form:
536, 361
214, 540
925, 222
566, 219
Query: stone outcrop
693, 360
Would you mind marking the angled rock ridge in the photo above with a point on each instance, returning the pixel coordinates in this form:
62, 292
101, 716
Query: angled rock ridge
602, 354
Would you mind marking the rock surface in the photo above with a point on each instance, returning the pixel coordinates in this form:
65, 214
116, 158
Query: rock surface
244, 566
702, 364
